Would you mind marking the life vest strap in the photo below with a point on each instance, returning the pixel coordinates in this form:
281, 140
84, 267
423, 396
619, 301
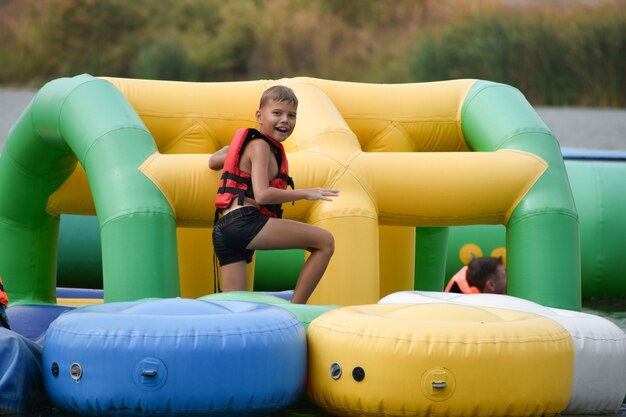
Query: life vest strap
226, 175
287, 179
233, 190
236, 191
277, 209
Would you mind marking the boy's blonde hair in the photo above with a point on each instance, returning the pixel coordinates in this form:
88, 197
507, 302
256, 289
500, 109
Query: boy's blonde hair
278, 93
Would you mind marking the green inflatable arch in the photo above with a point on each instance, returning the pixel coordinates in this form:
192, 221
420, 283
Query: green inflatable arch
542, 235
88, 120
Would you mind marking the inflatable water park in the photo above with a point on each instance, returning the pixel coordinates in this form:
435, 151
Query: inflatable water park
123, 163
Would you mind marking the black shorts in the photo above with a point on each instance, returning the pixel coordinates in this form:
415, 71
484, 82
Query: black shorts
234, 231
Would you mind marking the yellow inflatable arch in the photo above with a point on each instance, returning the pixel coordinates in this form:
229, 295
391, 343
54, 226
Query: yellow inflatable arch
398, 153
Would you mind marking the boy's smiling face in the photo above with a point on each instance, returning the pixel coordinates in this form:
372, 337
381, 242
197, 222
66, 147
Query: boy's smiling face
277, 119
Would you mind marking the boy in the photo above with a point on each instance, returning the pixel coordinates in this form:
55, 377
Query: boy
481, 275
252, 189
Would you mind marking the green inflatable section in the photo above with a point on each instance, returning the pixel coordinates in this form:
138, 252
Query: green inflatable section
270, 278
601, 196
88, 120
80, 257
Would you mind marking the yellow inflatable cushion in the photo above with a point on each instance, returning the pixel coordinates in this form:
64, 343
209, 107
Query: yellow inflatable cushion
438, 360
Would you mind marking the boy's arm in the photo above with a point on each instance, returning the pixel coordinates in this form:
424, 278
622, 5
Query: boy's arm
264, 194
216, 161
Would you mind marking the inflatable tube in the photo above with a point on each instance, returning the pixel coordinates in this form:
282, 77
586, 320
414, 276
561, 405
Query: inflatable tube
21, 380
286, 295
438, 359
306, 313
79, 296
599, 346
175, 357
32, 321
81, 293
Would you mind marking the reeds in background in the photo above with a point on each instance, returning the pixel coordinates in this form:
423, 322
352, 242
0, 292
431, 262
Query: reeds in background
555, 58
556, 52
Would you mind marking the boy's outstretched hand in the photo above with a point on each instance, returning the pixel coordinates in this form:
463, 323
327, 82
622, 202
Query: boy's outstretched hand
325, 194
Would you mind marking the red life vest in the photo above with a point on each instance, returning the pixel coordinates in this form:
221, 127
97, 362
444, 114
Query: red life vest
4, 299
460, 279
235, 183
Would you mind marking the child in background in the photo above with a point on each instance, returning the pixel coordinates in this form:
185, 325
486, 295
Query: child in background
481, 275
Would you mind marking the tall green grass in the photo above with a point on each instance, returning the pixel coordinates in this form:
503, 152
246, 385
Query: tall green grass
554, 59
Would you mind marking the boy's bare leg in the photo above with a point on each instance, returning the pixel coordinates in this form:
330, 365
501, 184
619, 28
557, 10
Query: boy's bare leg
289, 234
235, 276
310, 275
